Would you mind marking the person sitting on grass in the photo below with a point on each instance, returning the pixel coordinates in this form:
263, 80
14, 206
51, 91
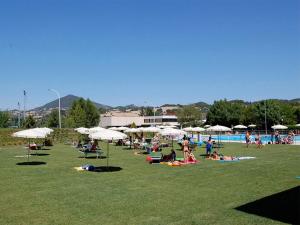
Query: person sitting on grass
170, 157
214, 156
155, 147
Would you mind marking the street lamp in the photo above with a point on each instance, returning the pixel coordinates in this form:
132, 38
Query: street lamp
58, 95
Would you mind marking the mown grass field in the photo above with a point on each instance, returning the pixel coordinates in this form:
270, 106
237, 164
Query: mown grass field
140, 193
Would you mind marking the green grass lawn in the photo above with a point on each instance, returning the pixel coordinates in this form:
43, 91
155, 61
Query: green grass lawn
140, 193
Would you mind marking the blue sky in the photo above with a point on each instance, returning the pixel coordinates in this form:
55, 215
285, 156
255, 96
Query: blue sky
121, 52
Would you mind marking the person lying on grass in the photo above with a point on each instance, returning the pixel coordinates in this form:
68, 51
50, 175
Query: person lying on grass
216, 156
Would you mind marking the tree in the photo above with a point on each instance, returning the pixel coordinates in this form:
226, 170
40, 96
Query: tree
297, 114
83, 113
4, 119
189, 116
92, 114
277, 112
29, 122
226, 113
53, 119
148, 111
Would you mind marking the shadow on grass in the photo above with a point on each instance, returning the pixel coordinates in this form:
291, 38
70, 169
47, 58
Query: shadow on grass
92, 157
39, 154
34, 163
102, 169
283, 206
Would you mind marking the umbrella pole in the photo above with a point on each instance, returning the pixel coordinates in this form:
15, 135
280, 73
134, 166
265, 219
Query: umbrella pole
107, 155
28, 151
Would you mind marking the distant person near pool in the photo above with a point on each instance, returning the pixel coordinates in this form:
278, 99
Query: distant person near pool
247, 137
208, 147
258, 141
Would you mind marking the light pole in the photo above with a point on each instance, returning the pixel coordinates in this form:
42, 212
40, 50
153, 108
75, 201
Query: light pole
58, 95
266, 127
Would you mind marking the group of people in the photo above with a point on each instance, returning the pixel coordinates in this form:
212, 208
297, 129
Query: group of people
187, 150
274, 139
277, 139
257, 140
88, 145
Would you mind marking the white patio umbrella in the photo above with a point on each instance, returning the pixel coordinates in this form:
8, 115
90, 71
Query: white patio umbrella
121, 128
198, 130
30, 134
298, 125
96, 129
44, 129
207, 126
112, 128
219, 129
240, 127
279, 127
188, 129
252, 125
172, 133
82, 130
150, 129
131, 131
108, 135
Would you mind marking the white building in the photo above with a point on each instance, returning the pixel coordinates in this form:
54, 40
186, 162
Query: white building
117, 119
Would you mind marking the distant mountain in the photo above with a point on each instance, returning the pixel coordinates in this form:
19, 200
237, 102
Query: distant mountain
66, 103
127, 107
295, 100
201, 104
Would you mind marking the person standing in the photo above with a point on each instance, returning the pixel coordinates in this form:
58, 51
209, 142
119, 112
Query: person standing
247, 137
186, 149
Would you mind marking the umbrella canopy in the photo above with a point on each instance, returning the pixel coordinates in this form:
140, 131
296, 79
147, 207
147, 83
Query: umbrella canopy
252, 125
207, 126
298, 125
150, 129
30, 134
198, 129
172, 132
82, 130
106, 134
279, 127
218, 128
240, 127
132, 130
188, 129
112, 128
121, 128
95, 130
45, 130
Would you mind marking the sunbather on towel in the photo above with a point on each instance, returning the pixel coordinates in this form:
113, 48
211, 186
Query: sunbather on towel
170, 157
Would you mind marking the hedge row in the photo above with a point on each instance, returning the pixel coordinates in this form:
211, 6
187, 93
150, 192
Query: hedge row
58, 136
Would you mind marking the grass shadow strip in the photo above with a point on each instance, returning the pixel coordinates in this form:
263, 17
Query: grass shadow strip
283, 206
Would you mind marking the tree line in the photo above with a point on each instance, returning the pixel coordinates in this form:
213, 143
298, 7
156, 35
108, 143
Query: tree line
230, 113
83, 113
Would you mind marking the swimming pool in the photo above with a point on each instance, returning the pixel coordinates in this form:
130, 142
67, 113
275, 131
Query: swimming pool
241, 138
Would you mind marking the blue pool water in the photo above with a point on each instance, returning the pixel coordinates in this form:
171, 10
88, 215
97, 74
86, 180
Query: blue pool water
241, 138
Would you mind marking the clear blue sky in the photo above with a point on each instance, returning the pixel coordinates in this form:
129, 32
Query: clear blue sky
160, 51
